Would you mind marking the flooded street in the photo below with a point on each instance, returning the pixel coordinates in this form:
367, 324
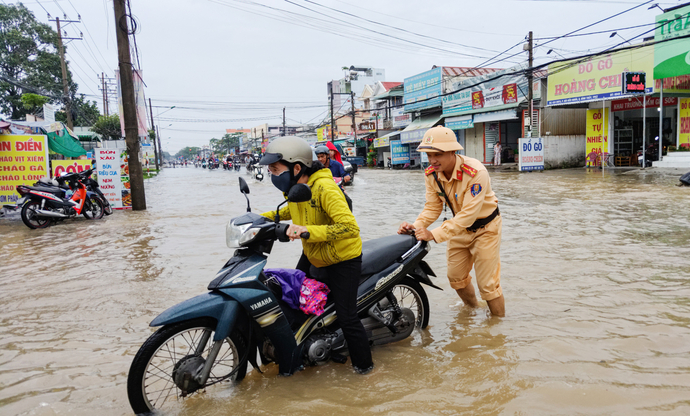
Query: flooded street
595, 273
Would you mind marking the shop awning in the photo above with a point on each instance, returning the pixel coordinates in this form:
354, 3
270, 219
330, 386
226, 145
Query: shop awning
495, 116
460, 122
415, 131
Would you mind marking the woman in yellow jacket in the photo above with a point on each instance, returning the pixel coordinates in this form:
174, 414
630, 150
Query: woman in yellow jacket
333, 252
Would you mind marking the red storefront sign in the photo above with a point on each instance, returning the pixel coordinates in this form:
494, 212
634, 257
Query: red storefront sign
638, 103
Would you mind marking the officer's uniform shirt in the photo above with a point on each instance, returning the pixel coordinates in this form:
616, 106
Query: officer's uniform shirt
469, 192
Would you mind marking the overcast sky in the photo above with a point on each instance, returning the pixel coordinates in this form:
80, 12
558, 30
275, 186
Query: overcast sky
210, 58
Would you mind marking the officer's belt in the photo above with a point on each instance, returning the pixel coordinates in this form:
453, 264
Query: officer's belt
481, 223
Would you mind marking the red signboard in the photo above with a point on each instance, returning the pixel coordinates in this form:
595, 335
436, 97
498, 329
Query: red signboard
477, 100
510, 94
638, 103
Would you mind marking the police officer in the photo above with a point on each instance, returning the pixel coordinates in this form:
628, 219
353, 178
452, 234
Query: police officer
473, 232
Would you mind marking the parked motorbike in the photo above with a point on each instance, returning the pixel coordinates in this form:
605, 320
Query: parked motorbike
212, 337
92, 186
48, 203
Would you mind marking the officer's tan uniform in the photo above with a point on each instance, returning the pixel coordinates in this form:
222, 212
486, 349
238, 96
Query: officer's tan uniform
471, 197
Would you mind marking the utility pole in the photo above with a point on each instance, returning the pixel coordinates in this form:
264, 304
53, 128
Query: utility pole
354, 122
284, 130
530, 77
332, 135
160, 151
155, 152
105, 110
136, 176
63, 65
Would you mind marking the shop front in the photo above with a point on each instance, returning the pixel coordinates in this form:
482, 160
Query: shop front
414, 133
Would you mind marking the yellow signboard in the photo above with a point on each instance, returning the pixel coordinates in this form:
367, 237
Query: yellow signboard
69, 166
597, 128
684, 121
598, 77
23, 161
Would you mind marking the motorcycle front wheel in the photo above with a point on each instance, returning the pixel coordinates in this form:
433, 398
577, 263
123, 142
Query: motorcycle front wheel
157, 370
410, 294
93, 208
30, 218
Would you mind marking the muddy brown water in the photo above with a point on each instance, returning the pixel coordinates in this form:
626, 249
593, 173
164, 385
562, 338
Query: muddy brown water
595, 273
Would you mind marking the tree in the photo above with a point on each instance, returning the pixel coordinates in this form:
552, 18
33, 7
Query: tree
108, 127
33, 102
29, 60
188, 152
84, 113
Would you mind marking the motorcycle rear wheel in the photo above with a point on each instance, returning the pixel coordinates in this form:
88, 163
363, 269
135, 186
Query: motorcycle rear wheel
30, 218
150, 383
410, 294
93, 208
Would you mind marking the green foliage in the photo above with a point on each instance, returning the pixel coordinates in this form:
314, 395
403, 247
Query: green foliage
152, 134
84, 113
188, 152
224, 145
108, 127
29, 57
33, 102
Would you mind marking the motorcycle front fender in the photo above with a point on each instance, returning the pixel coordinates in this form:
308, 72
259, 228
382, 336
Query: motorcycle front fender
224, 310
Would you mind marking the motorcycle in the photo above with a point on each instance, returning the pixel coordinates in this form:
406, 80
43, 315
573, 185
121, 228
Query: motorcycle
92, 186
214, 336
236, 166
48, 203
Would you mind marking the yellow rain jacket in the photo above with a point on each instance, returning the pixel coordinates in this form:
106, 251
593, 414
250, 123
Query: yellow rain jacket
334, 233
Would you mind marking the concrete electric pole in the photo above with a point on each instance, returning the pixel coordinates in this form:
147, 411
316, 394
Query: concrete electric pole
530, 79
63, 65
129, 106
332, 135
284, 130
155, 151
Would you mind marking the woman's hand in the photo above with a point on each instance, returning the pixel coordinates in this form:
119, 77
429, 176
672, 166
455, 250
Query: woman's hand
294, 231
423, 234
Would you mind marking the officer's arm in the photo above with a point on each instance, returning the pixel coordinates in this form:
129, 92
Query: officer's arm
471, 207
433, 205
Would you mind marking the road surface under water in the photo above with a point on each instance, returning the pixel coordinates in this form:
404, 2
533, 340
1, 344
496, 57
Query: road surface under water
595, 273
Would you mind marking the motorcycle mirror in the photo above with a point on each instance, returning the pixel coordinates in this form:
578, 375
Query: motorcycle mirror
299, 193
244, 188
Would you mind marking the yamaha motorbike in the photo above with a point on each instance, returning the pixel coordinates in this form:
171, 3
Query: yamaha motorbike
48, 203
213, 337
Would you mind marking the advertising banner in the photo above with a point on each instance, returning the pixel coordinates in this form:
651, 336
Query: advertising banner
425, 86
400, 119
638, 103
382, 141
595, 131
400, 153
460, 122
139, 99
23, 161
597, 78
684, 121
491, 92
59, 167
49, 113
672, 58
531, 154
113, 177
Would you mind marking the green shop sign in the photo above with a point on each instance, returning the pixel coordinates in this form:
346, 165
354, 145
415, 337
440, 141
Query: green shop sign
672, 58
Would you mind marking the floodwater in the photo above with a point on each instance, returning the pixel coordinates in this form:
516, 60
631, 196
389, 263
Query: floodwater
595, 272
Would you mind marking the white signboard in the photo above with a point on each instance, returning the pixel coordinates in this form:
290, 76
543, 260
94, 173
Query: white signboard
531, 154
49, 113
108, 168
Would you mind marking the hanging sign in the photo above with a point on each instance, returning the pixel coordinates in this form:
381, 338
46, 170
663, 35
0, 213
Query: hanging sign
634, 82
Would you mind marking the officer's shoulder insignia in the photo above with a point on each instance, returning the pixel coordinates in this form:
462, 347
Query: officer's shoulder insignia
469, 170
428, 171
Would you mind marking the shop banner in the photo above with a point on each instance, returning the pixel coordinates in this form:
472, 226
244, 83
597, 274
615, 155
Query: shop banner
425, 86
400, 119
491, 92
672, 58
531, 154
684, 121
382, 141
638, 103
460, 123
23, 161
595, 131
113, 177
400, 153
412, 136
597, 78
58, 167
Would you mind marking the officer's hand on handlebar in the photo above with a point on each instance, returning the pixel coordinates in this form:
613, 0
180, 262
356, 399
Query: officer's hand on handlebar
295, 232
423, 234
406, 228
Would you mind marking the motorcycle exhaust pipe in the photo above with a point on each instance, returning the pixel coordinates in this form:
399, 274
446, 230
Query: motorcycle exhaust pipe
51, 214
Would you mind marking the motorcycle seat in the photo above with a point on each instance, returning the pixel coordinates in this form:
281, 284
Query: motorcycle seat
50, 189
379, 253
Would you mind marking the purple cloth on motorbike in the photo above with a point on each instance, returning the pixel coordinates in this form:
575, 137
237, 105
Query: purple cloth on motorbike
291, 282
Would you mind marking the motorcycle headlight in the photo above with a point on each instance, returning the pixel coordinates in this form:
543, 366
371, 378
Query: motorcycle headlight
238, 235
